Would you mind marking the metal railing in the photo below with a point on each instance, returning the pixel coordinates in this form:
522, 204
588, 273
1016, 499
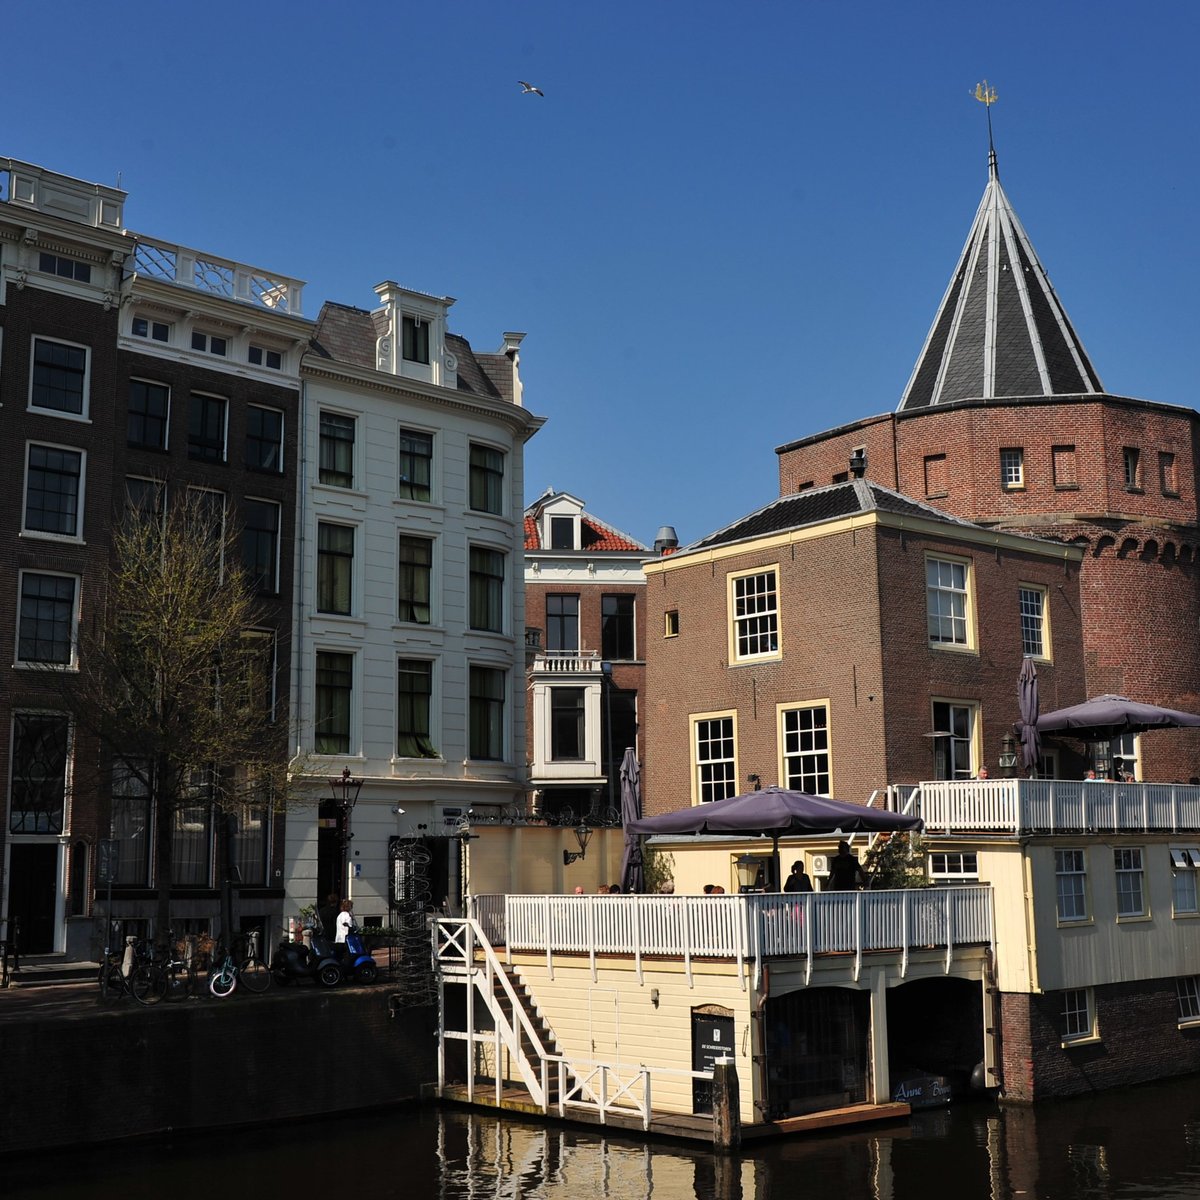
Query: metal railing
747, 929
1024, 806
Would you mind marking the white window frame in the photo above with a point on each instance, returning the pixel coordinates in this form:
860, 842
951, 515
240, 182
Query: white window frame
75, 538
208, 343
151, 323
727, 786
1077, 893
435, 708
355, 447
264, 354
1025, 593
1012, 468
408, 428
746, 626
86, 401
279, 412
1129, 872
795, 735
954, 866
1185, 871
193, 490
225, 400
33, 664
166, 446
973, 740
1079, 1015
356, 556
957, 598
1187, 995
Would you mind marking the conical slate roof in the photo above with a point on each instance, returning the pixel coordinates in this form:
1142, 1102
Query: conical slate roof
1000, 331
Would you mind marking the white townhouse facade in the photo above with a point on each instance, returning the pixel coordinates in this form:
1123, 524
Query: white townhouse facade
408, 659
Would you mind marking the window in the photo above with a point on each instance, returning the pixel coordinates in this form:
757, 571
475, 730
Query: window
716, 766
264, 439
39, 772
953, 866
331, 715
416, 339
144, 497
53, 477
259, 356
947, 602
337, 450
414, 704
210, 343
805, 737
191, 833
59, 382
250, 843
46, 626
567, 724
1077, 1014
1012, 468
562, 533
1127, 863
1167, 478
1187, 990
415, 579
487, 479
954, 739
147, 420
258, 666
1063, 464
260, 544
416, 465
562, 624
209, 507
935, 475
487, 589
1033, 622
616, 628
755, 604
64, 268
206, 428
487, 713
1184, 863
131, 821
335, 567
158, 331
671, 623
1070, 879
1132, 460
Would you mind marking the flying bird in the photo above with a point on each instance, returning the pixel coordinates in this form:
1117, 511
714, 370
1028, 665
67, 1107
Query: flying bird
528, 88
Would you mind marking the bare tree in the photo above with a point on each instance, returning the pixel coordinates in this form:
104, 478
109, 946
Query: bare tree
176, 679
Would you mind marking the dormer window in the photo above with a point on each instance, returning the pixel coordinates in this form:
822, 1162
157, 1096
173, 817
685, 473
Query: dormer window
65, 268
416, 339
562, 533
259, 356
158, 331
210, 343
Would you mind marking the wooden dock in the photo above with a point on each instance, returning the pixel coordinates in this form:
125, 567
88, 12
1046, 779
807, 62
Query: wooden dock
672, 1125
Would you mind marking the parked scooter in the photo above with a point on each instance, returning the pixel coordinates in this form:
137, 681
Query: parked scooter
294, 961
356, 963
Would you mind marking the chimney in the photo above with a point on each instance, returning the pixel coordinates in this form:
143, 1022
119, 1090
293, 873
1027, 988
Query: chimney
665, 540
858, 462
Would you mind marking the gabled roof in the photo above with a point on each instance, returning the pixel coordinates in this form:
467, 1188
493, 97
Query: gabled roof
595, 535
1000, 331
815, 506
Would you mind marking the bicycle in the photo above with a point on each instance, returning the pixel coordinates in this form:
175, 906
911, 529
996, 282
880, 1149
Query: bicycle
166, 976
252, 970
115, 979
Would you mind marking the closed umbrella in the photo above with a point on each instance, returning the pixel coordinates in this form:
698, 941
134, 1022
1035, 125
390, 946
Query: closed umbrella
1027, 727
632, 875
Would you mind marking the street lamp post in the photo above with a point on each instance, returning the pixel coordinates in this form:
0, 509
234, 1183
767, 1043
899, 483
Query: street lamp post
345, 790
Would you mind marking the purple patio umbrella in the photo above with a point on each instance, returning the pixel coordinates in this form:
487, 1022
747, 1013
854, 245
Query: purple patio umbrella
632, 877
773, 812
1106, 717
1027, 726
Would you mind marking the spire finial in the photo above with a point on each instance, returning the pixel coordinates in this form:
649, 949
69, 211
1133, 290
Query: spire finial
987, 97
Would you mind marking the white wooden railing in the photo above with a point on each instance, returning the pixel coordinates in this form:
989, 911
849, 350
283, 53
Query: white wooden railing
567, 662
1023, 806
747, 929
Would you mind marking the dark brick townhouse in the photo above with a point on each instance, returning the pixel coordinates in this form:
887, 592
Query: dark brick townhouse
133, 370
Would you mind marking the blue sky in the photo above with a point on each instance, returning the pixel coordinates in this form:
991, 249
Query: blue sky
723, 228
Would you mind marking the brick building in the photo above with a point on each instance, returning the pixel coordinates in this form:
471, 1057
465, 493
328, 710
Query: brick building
133, 369
1005, 423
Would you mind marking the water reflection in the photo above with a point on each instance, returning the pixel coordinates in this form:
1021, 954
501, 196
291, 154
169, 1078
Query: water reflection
1141, 1142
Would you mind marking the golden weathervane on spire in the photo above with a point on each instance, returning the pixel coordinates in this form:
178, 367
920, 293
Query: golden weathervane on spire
984, 94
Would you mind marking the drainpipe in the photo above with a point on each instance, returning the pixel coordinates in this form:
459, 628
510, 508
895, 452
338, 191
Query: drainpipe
298, 566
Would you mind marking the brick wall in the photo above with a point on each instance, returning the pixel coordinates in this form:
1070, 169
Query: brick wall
210, 1065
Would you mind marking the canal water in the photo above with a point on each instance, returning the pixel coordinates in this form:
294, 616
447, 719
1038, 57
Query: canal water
1141, 1142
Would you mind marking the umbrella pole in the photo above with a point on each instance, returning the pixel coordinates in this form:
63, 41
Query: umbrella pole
775, 855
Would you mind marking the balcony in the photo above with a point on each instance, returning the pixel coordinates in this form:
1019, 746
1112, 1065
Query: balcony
220, 277
1016, 807
566, 662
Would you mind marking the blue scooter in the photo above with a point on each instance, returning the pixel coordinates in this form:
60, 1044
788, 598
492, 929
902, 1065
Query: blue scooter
356, 963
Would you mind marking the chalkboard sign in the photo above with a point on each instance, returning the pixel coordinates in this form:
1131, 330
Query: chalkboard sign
108, 858
712, 1038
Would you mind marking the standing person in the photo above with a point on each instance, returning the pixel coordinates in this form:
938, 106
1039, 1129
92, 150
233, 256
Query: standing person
345, 922
327, 914
798, 880
845, 873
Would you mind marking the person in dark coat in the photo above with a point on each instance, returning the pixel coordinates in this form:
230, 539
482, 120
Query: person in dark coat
798, 880
845, 872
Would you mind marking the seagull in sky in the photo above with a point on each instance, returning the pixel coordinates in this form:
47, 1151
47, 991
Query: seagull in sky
529, 89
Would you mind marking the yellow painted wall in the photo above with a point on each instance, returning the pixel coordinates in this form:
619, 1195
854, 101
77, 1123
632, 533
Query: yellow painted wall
528, 859
613, 1018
